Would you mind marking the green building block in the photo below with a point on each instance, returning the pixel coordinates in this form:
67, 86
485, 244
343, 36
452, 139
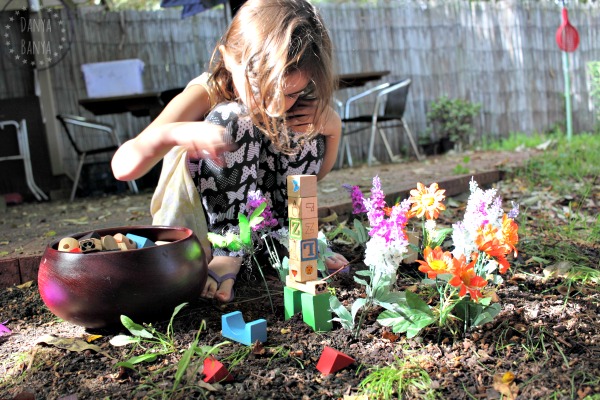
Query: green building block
291, 302
315, 311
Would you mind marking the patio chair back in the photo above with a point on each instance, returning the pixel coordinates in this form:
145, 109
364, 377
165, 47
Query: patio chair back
85, 144
390, 105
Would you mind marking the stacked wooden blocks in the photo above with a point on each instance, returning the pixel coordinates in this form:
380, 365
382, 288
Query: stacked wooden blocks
304, 292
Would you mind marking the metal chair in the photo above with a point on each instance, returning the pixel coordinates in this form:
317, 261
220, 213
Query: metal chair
23, 142
83, 151
389, 106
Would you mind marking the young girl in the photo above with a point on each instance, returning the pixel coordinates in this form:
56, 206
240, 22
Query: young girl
269, 95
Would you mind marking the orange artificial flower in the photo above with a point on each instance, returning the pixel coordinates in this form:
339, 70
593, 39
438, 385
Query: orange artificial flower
510, 233
466, 278
436, 262
426, 201
487, 241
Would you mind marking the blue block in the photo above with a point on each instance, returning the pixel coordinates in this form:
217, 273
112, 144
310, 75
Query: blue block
140, 241
233, 327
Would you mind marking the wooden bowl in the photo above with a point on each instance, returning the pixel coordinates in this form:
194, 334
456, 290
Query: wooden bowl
94, 289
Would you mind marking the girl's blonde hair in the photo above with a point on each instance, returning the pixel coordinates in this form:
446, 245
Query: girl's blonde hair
271, 38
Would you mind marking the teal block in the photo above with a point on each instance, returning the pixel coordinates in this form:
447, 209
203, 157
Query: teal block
233, 327
140, 241
292, 303
315, 311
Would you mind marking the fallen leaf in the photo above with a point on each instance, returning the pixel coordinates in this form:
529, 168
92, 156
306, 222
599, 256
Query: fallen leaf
76, 221
91, 338
330, 218
504, 383
389, 336
258, 349
25, 285
285, 331
70, 344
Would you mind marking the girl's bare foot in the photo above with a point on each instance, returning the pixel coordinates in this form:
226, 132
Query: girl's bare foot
221, 278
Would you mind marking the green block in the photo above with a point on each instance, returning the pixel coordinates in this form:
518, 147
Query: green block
315, 311
291, 302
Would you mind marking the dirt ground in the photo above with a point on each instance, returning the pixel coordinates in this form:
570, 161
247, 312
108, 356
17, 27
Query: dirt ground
545, 343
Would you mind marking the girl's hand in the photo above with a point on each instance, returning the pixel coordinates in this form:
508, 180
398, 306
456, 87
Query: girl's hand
203, 140
301, 116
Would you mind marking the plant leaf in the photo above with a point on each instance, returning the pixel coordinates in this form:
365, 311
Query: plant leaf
357, 305
123, 340
135, 329
256, 216
345, 318
147, 357
217, 240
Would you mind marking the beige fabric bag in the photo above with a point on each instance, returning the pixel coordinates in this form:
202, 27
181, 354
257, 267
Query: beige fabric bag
176, 201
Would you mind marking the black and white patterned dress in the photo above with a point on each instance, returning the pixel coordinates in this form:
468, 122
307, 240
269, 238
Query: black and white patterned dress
255, 165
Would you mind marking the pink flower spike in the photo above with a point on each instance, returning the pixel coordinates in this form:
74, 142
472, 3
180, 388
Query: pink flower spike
4, 330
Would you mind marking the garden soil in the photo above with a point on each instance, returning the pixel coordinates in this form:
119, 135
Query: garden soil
545, 340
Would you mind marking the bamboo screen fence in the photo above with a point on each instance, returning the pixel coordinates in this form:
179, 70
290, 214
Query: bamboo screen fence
501, 54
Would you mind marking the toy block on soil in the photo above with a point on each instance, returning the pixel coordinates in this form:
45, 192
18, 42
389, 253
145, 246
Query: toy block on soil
234, 328
292, 302
306, 228
302, 185
312, 287
315, 311
215, 371
303, 271
303, 250
303, 207
332, 361
140, 241
67, 244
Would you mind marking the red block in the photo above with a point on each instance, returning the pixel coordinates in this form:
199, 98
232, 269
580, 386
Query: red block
215, 371
332, 361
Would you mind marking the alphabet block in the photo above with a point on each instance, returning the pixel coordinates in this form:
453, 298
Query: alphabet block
332, 361
303, 207
234, 328
304, 250
302, 185
306, 228
303, 271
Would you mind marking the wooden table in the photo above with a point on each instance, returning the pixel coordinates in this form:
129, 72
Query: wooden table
359, 78
152, 103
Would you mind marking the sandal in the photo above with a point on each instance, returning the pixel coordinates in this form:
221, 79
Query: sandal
222, 278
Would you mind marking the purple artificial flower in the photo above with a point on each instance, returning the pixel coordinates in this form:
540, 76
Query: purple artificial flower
358, 206
4, 330
255, 199
514, 212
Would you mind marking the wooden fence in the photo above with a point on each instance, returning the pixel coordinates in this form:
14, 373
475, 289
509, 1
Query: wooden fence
501, 54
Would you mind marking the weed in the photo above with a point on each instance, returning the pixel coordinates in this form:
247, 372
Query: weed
404, 377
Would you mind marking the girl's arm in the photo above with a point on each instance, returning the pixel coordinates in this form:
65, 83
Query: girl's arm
332, 130
178, 124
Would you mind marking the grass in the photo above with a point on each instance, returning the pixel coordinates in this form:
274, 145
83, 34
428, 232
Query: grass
561, 183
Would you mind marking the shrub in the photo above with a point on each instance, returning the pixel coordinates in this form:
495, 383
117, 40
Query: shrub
593, 68
452, 119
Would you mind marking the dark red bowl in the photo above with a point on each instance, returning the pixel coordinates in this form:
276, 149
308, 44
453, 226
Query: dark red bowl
94, 289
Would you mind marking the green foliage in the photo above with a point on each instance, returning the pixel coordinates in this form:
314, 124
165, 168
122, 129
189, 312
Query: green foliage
358, 233
593, 68
410, 316
453, 119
